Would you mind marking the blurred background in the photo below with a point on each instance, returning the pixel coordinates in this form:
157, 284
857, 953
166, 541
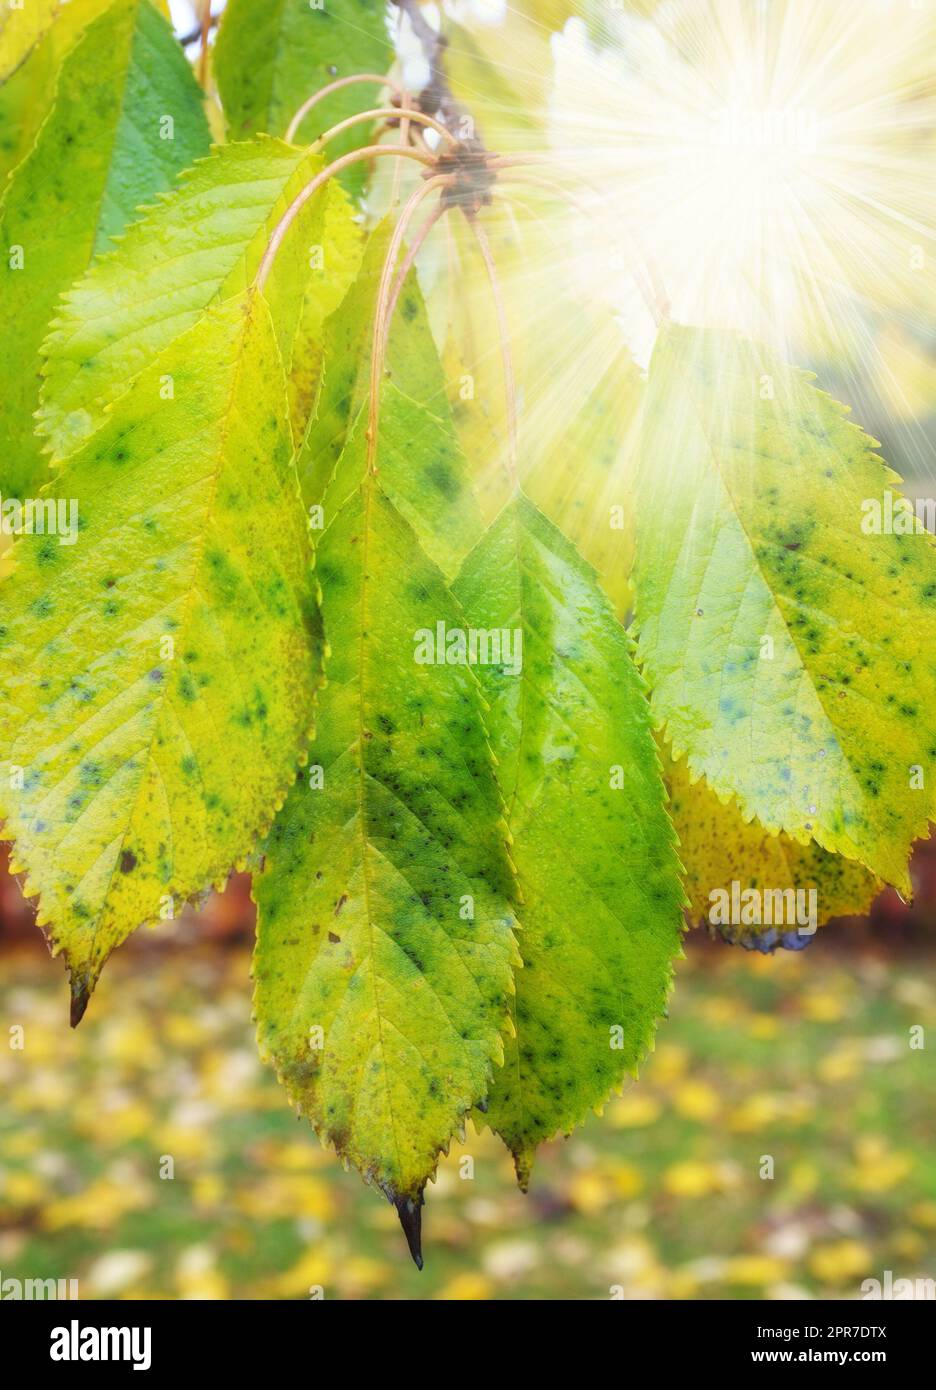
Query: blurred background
804, 1057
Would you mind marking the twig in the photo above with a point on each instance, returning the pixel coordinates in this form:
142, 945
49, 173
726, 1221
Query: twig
193, 35
437, 98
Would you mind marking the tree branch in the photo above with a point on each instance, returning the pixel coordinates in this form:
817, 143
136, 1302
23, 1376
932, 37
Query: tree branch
471, 186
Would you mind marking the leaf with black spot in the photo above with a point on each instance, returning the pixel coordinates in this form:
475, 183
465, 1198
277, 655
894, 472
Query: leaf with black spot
385, 908
101, 152
592, 844
157, 677
791, 655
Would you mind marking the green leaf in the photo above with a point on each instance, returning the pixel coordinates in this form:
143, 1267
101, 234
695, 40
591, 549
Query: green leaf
423, 471
327, 258
412, 365
718, 848
580, 439
592, 844
100, 153
385, 916
203, 239
422, 465
791, 655
157, 664
22, 26
28, 94
273, 54
581, 474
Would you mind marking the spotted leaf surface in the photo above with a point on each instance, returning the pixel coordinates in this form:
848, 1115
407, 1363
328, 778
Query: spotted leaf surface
718, 849
202, 240
103, 150
422, 466
412, 366
157, 675
790, 653
594, 850
385, 950
28, 94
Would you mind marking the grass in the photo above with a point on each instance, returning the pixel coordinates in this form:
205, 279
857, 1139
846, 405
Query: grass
800, 1061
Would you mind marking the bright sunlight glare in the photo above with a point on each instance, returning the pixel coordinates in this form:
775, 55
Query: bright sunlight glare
771, 165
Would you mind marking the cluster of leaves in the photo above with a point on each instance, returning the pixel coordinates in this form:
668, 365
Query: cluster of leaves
469, 892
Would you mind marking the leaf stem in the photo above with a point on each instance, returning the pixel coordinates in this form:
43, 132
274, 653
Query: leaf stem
312, 187
316, 97
406, 129
413, 251
203, 55
381, 313
386, 111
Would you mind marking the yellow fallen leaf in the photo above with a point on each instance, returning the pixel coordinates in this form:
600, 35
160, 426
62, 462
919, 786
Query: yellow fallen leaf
840, 1262
755, 1270
588, 1192
467, 1287
692, 1179
98, 1207
696, 1101
823, 1007
923, 1214
314, 1270
634, 1109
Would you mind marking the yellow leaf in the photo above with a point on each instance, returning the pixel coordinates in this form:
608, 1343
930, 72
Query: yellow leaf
840, 1263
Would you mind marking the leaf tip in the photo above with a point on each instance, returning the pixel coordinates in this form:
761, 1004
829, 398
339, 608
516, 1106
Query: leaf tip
80, 995
409, 1210
523, 1167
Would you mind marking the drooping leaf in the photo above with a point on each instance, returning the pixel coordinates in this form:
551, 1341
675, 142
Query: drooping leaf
594, 850
385, 948
273, 54
790, 654
412, 365
424, 475
580, 392
22, 26
718, 849
27, 95
104, 150
331, 265
582, 470
158, 656
203, 239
